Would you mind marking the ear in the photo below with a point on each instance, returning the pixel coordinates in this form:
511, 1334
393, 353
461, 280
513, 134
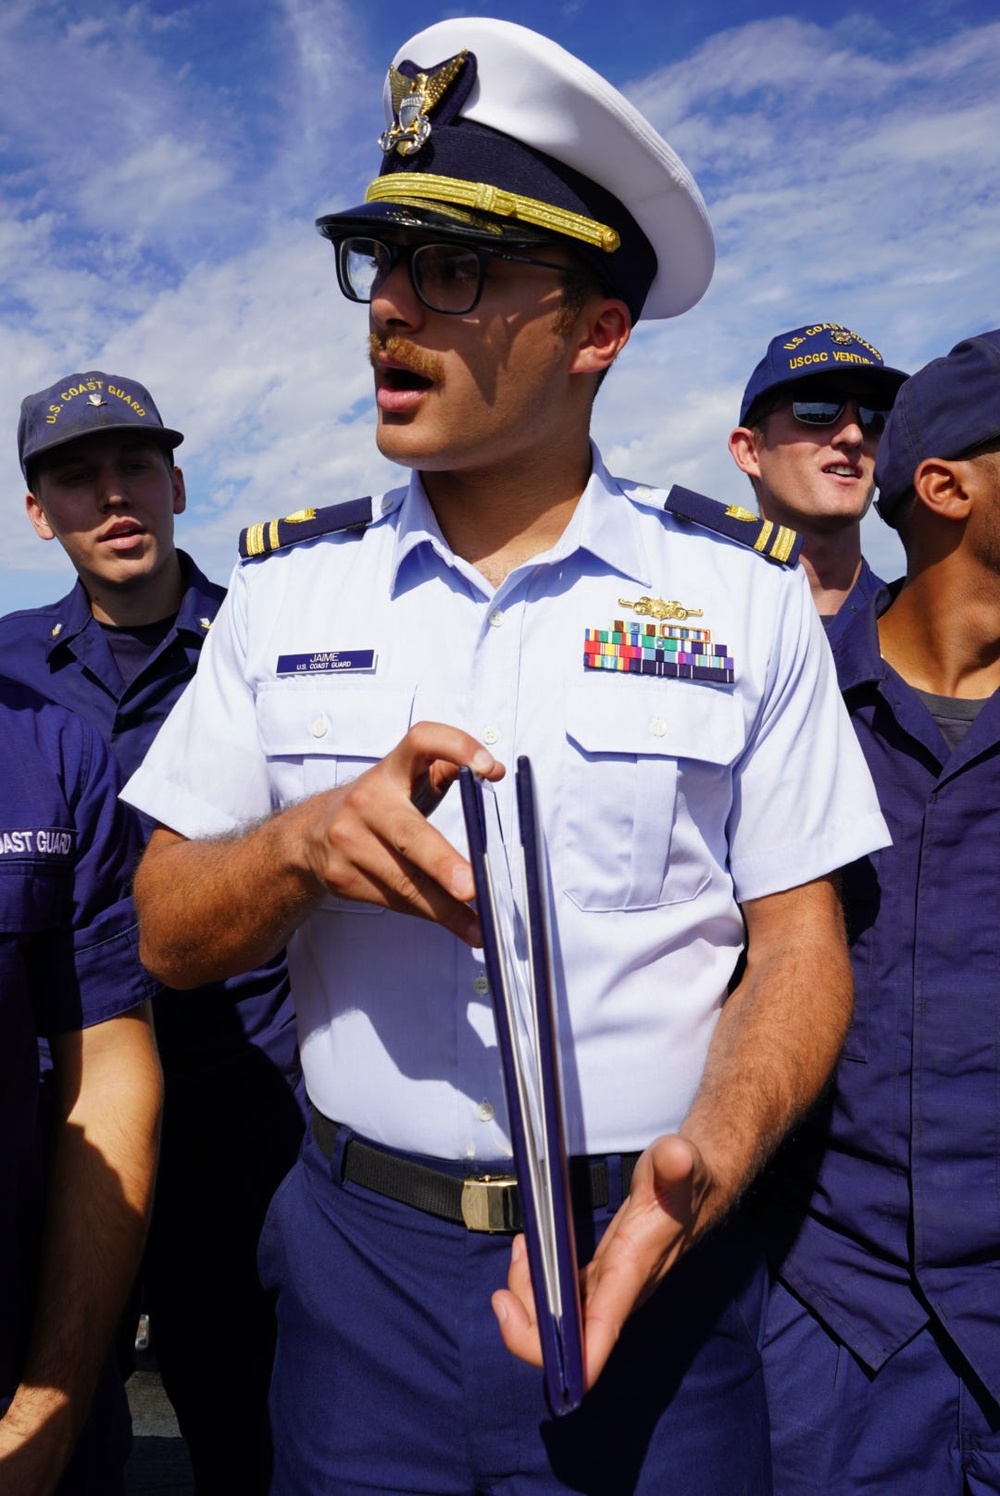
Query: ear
743, 446
604, 329
180, 493
38, 517
942, 488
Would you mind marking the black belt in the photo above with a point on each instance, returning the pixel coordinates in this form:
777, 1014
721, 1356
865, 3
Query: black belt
483, 1202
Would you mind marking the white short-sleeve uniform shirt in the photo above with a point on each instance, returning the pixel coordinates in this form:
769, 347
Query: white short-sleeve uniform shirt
665, 802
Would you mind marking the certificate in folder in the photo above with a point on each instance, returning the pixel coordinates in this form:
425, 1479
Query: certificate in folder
512, 901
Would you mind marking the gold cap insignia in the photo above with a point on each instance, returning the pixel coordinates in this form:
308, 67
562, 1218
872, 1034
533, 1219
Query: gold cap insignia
413, 99
840, 337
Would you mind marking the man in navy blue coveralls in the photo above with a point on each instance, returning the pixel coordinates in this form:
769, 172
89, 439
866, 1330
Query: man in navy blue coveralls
72, 1223
883, 1351
810, 421
119, 649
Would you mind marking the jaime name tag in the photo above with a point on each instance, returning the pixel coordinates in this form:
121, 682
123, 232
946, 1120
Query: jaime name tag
326, 662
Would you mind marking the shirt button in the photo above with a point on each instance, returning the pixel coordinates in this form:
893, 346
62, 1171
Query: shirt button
658, 727
481, 986
496, 618
486, 1111
642, 492
491, 735
319, 728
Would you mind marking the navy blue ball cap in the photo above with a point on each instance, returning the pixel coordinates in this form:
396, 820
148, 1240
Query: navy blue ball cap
498, 135
945, 410
823, 348
81, 404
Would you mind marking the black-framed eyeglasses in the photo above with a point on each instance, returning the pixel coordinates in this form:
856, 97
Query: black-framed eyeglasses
828, 413
446, 277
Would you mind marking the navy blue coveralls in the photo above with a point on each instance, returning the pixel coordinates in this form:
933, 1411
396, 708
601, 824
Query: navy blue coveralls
69, 958
883, 1215
866, 587
232, 1124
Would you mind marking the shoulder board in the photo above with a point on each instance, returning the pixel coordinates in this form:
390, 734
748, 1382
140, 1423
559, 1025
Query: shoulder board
305, 524
776, 543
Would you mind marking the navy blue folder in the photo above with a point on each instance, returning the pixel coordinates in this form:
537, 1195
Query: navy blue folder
513, 915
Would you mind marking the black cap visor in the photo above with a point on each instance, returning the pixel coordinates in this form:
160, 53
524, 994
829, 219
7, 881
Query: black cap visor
436, 219
163, 436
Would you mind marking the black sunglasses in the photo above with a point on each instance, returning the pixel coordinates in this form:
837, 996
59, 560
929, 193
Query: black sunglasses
829, 412
446, 277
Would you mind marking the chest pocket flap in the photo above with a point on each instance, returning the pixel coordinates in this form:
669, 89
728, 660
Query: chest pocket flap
334, 732
637, 747
322, 736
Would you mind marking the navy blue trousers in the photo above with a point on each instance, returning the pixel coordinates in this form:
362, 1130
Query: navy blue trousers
97, 1464
391, 1376
229, 1138
916, 1427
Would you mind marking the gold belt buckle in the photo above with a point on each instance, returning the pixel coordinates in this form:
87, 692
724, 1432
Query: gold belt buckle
489, 1203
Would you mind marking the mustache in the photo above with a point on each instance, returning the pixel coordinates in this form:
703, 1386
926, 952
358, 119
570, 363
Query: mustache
401, 350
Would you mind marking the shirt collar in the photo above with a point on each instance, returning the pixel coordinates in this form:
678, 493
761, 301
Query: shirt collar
605, 523
199, 604
868, 583
859, 663
857, 652
200, 601
71, 616
416, 526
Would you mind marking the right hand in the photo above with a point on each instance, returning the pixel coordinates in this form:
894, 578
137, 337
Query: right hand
371, 841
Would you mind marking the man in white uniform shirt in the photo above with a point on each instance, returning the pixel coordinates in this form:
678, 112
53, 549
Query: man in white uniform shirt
698, 783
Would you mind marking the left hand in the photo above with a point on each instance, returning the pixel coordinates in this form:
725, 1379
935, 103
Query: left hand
654, 1226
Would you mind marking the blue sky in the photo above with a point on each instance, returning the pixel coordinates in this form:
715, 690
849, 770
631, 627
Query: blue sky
161, 165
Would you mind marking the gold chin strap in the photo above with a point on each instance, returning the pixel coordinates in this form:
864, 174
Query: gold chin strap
411, 186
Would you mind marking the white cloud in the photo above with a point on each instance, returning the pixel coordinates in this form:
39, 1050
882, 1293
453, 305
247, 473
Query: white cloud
162, 178
160, 173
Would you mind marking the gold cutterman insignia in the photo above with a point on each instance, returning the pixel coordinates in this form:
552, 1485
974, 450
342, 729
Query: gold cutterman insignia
412, 101
658, 607
422, 187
